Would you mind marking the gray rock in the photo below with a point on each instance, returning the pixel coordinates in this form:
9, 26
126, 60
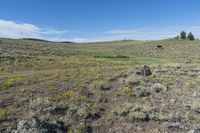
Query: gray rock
145, 71
106, 87
32, 125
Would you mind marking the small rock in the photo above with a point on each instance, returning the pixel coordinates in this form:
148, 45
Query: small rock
32, 125
145, 71
106, 87
172, 101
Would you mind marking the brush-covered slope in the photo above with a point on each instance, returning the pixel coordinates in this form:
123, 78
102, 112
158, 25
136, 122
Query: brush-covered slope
93, 87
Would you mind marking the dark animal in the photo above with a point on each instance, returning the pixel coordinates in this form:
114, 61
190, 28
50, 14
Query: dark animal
145, 71
160, 47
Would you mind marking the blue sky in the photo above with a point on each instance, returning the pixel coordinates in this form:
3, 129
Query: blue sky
98, 20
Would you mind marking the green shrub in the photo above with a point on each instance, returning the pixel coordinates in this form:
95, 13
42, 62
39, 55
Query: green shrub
117, 56
142, 92
190, 37
128, 91
3, 114
183, 35
136, 112
100, 85
41, 105
84, 111
158, 88
196, 105
124, 109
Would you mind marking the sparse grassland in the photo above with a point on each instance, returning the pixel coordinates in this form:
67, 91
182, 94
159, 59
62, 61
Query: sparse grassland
95, 86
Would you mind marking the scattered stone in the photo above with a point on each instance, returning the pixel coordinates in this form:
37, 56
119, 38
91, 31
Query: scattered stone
32, 125
172, 101
106, 86
145, 71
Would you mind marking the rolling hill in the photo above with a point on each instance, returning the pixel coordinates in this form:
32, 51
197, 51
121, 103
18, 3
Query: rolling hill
93, 87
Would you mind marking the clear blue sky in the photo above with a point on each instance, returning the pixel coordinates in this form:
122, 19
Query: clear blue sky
103, 19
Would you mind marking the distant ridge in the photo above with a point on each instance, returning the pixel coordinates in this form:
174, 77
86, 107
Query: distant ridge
42, 40
35, 39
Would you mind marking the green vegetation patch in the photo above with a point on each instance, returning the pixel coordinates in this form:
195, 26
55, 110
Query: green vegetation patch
111, 57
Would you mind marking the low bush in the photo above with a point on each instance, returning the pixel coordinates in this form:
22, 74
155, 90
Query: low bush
128, 91
3, 114
100, 85
158, 88
41, 105
196, 105
142, 91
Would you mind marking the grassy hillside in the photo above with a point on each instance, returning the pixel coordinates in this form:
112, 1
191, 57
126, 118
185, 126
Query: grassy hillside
94, 85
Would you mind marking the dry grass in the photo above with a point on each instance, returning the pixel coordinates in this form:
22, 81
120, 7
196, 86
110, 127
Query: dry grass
74, 76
